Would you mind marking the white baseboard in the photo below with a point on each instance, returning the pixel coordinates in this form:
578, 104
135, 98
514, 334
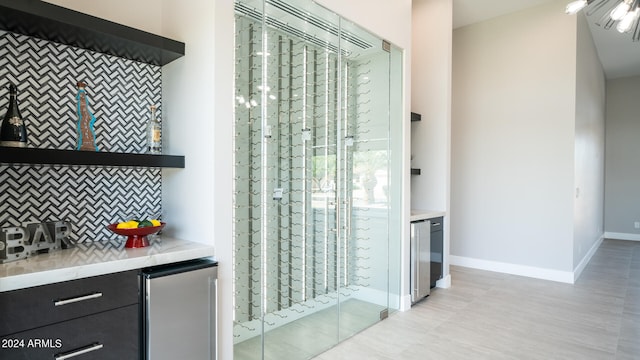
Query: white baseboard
622, 236
405, 304
585, 260
445, 282
514, 269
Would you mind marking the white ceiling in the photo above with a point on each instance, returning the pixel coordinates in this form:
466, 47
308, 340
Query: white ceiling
619, 55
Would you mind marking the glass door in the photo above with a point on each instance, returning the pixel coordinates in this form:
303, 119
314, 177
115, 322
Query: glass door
363, 180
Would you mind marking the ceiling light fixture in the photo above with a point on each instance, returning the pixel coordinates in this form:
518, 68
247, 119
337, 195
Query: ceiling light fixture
623, 12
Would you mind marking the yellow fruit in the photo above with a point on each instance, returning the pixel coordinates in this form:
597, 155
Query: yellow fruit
155, 222
131, 224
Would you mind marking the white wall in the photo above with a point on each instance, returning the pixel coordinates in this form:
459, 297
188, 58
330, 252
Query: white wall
140, 14
622, 205
387, 19
513, 123
198, 100
431, 97
589, 149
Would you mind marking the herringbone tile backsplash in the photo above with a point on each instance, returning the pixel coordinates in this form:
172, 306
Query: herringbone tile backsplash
120, 92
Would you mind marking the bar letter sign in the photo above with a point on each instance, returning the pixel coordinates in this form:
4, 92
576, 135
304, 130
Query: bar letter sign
20, 242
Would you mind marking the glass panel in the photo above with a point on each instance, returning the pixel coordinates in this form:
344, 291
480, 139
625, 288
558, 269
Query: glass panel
286, 92
364, 195
247, 262
300, 320
396, 130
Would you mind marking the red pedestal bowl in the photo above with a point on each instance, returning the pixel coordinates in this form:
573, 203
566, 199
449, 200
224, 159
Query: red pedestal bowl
136, 238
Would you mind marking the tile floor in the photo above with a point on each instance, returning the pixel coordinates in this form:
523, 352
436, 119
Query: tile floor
486, 315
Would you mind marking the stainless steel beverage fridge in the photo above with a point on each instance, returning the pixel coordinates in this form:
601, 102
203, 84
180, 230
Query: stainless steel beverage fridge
420, 260
179, 310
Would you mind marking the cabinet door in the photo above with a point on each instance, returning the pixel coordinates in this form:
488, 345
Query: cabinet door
48, 304
109, 335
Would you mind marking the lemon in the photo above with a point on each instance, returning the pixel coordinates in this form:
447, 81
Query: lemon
155, 222
131, 224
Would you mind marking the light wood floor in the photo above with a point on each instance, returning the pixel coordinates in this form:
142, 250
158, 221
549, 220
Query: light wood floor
487, 315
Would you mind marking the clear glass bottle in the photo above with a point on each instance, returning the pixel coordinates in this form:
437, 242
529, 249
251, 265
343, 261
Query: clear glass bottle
13, 131
154, 133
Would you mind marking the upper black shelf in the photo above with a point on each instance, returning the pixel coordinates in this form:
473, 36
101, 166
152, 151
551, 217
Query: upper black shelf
12, 155
58, 24
416, 117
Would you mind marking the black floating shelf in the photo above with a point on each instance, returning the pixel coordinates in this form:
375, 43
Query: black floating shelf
415, 171
416, 117
12, 155
65, 26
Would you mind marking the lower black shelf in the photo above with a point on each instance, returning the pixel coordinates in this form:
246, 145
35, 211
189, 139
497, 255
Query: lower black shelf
415, 171
12, 155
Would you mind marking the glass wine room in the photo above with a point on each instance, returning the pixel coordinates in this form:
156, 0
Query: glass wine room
318, 104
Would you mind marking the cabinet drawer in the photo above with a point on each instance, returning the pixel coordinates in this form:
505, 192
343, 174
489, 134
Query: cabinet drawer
436, 224
30, 308
111, 334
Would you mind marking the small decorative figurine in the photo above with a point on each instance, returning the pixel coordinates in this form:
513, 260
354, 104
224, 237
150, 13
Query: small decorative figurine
86, 121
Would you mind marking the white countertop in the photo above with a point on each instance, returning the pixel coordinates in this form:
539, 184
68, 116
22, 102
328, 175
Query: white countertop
417, 215
96, 258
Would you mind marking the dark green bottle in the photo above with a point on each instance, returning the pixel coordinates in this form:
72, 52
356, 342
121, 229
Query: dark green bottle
13, 131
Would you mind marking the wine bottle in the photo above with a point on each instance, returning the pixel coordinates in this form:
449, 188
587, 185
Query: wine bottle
154, 133
13, 131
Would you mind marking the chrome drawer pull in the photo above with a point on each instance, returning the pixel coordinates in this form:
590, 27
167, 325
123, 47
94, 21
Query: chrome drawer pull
435, 224
77, 299
74, 353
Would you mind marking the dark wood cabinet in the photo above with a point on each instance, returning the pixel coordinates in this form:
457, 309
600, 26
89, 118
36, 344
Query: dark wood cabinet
91, 318
30, 308
111, 334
